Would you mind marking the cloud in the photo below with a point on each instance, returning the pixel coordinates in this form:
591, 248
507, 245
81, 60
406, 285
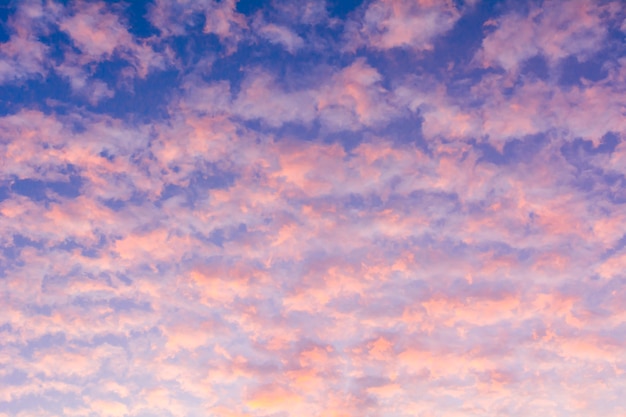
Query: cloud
353, 98
403, 24
261, 98
23, 56
324, 234
100, 35
174, 18
282, 36
555, 30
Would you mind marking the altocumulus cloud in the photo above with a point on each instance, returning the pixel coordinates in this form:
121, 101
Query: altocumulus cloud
320, 208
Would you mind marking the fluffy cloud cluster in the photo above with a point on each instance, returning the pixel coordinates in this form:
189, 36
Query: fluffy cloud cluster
301, 228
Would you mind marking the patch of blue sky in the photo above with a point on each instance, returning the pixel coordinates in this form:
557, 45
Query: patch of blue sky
39, 190
576, 73
514, 151
144, 100
135, 12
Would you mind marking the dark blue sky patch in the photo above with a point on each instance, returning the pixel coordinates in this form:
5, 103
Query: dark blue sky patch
459, 45
580, 148
348, 139
90, 253
406, 130
7, 9
295, 131
514, 151
355, 201
70, 189
33, 189
608, 143
171, 190
249, 7
21, 241
577, 153
573, 72
114, 204
58, 44
145, 101
12, 251
110, 70
536, 67
229, 68
456, 47
195, 47
37, 190
139, 25
10, 256
342, 8
124, 278
35, 93
105, 153
217, 237
128, 304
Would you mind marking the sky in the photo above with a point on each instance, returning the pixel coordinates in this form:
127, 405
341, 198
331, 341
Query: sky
312, 208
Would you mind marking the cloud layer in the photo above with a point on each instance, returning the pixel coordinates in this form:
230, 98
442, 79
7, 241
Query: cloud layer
240, 209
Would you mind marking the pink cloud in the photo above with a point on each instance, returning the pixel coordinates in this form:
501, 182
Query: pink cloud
172, 16
23, 56
96, 31
272, 398
100, 35
533, 107
555, 30
351, 99
281, 35
403, 24
320, 280
355, 98
108, 408
261, 98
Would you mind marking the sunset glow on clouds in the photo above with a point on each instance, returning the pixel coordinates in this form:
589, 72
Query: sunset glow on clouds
389, 208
